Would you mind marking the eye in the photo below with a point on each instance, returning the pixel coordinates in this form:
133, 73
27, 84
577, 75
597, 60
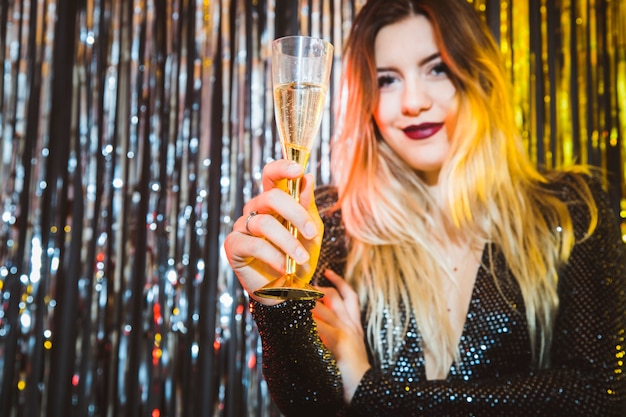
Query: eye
439, 68
385, 80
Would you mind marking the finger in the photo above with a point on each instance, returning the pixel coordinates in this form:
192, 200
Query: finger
322, 312
327, 322
274, 175
344, 289
311, 225
244, 250
270, 232
340, 284
307, 191
281, 205
275, 172
333, 301
247, 223
327, 333
350, 298
330, 296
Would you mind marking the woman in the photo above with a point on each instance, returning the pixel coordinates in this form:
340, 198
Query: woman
458, 279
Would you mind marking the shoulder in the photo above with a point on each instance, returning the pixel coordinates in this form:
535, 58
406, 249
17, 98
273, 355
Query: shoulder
574, 186
326, 196
335, 241
582, 192
326, 199
589, 204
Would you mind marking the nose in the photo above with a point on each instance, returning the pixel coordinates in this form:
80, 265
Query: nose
415, 98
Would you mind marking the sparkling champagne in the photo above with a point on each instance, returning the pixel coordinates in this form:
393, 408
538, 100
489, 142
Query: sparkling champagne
296, 153
299, 108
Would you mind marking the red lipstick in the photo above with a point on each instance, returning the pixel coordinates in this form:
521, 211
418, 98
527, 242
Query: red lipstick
422, 131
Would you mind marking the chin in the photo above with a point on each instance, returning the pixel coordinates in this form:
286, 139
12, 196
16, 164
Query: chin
425, 167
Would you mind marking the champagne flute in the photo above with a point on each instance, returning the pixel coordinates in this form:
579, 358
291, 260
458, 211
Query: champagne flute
300, 73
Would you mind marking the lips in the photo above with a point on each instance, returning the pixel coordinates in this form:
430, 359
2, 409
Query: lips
422, 131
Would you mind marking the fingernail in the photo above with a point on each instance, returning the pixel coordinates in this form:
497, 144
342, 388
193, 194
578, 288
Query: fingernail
301, 255
309, 229
294, 168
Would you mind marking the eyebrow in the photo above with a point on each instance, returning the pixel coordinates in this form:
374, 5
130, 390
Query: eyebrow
423, 62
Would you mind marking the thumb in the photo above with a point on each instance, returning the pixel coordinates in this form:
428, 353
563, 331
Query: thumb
307, 194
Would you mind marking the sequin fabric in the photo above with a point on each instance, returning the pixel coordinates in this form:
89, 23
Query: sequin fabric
496, 375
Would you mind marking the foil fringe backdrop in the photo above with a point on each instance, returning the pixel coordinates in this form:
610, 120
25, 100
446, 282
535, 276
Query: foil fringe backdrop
132, 133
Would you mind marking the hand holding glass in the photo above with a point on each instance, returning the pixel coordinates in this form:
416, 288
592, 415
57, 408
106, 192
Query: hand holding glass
300, 73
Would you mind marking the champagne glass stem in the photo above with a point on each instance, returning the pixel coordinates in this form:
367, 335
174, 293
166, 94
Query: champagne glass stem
293, 186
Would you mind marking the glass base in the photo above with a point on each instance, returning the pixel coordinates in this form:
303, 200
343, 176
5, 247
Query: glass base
289, 287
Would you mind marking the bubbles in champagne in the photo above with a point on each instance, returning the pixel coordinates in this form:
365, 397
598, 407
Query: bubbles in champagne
298, 108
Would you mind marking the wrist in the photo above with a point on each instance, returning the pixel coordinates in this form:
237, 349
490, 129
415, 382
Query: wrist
351, 376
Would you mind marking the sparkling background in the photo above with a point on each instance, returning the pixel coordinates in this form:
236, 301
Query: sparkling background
132, 133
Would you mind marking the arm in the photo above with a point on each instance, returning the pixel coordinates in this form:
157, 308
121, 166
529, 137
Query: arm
301, 373
587, 375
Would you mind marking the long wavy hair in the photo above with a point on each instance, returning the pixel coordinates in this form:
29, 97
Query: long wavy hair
491, 191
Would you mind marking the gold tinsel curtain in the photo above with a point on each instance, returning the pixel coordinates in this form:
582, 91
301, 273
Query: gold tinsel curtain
132, 133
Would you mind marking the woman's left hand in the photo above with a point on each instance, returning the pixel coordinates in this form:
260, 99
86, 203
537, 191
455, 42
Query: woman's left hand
338, 318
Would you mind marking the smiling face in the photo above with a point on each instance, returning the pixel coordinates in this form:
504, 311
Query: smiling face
417, 101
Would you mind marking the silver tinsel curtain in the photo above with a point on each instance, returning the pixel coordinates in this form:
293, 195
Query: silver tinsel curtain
132, 133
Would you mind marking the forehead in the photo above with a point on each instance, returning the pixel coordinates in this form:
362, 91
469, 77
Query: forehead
411, 37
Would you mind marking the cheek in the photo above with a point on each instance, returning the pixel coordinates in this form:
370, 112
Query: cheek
383, 114
445, 95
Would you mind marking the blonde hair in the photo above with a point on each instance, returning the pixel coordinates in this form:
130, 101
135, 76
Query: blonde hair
491, 190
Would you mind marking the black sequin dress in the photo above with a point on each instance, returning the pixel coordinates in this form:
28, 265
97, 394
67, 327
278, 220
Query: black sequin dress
495, 376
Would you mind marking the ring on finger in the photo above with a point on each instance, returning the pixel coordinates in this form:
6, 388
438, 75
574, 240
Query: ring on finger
250, 216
